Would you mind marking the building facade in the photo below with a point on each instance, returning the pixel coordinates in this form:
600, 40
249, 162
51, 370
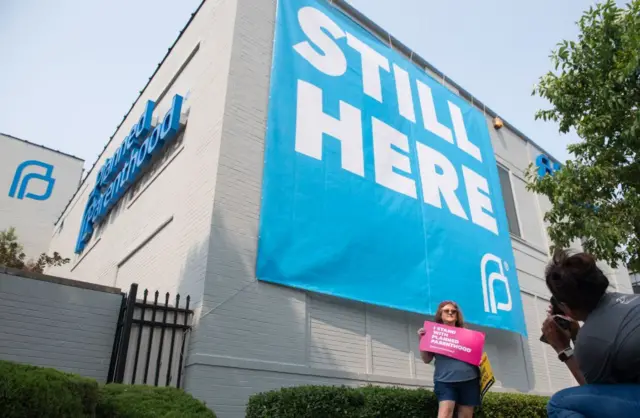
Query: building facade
186, 218
37, 182
635, 282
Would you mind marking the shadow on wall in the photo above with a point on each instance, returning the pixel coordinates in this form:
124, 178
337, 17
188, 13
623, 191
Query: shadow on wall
155, 353
192, 274
247, 332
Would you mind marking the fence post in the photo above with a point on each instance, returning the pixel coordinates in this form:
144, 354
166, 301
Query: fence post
126, 333
184, 338
116, 339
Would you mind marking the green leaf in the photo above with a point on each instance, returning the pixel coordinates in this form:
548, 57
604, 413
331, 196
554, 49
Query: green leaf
596, 93
13, 256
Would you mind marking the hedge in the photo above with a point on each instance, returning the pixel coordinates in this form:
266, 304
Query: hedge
370, 402
127, 401
36, 392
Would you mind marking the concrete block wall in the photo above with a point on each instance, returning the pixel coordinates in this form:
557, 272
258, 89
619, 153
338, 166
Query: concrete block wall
52, 322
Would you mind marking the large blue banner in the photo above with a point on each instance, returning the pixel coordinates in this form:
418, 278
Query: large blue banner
380, 185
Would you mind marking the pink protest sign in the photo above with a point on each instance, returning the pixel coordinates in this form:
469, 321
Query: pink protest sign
459, 343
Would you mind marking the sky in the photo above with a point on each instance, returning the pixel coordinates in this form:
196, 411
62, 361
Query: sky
70, 69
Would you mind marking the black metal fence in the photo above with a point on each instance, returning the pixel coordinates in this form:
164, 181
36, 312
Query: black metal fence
153, 335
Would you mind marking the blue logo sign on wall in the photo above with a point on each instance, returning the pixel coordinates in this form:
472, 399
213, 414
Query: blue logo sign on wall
127, 164
380, 185
546, 166
21, 180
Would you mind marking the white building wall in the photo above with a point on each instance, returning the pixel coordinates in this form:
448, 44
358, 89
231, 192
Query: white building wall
158, 234
33, 219
194, 229
255, 336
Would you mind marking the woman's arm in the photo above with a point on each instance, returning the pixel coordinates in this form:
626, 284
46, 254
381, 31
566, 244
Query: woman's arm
426, 356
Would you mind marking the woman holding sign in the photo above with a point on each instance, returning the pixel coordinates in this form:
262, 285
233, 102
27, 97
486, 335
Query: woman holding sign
455, 382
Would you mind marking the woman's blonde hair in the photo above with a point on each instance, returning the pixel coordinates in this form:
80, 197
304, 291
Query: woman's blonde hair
459, 316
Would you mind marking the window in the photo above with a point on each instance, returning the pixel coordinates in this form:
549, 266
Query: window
509, 201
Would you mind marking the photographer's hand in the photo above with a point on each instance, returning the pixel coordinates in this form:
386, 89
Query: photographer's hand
575, 326
557, 338
560, 339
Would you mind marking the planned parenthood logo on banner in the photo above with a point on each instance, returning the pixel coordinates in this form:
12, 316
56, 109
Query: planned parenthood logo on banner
380, 185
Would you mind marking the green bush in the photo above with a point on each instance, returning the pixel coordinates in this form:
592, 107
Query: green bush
397, 403
126, 401
504, 405
307, 401
370, 402
35, 392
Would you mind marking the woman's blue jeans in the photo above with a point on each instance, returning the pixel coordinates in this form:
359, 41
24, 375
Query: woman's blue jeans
597, 401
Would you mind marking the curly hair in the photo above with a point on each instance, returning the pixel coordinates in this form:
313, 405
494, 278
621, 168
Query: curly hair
576, 280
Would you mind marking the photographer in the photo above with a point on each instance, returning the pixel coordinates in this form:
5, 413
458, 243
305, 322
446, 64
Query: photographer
605, 359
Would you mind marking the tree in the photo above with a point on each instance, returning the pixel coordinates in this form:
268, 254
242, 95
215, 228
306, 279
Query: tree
12, 255
595, 90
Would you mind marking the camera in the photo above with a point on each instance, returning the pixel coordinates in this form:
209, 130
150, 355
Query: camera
562, 322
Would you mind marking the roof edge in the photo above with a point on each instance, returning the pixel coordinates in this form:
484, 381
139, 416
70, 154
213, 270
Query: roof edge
140, 93
395, 43
42, 146
362, 20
